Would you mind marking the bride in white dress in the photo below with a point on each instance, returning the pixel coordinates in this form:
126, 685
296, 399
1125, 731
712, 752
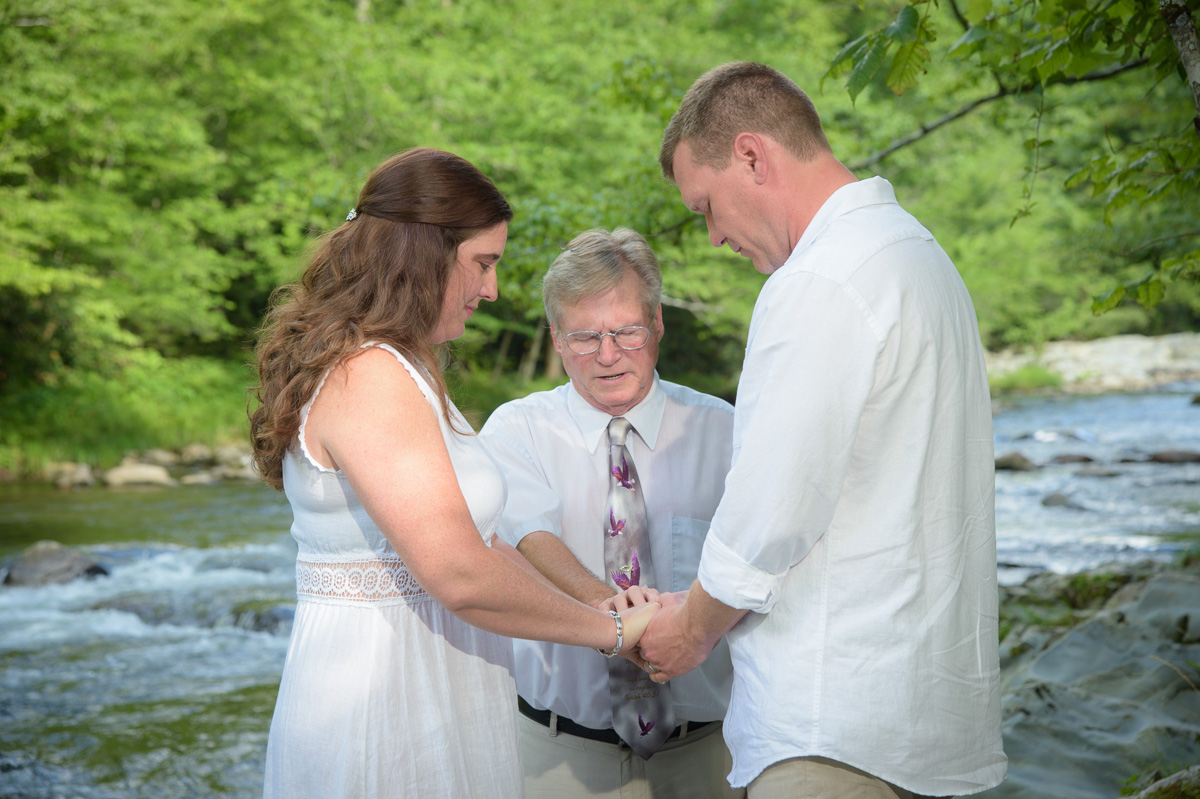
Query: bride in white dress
398, 678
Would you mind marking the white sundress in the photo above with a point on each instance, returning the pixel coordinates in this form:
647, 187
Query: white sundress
384, 692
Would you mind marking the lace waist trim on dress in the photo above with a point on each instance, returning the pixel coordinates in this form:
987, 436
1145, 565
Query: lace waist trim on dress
368, 581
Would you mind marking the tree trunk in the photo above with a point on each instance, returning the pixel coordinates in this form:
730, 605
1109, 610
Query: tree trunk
1183, 31
529, 362
502, 355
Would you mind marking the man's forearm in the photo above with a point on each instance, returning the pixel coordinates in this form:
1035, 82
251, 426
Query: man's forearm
550, 556
706, 619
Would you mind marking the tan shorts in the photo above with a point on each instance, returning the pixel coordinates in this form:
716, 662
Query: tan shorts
822, 778
691, 767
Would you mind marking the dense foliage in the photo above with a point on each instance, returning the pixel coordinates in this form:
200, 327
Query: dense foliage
1144, 160
163, 167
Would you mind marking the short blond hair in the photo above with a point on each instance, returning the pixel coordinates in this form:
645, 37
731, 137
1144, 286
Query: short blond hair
740, 97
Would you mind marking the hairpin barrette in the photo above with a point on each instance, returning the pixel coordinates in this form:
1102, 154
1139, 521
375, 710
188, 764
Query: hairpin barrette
350, 216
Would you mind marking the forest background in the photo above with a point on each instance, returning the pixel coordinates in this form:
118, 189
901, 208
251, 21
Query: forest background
164, 166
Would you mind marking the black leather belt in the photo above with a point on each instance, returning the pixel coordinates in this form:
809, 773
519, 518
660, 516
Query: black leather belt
606, 736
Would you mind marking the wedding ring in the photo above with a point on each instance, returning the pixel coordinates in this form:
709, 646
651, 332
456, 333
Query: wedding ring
651, 669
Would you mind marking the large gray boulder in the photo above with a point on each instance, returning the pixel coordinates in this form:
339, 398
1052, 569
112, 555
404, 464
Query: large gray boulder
49, 562
1088, 710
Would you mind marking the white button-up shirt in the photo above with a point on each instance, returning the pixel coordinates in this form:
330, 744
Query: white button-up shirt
858, 518
553, 449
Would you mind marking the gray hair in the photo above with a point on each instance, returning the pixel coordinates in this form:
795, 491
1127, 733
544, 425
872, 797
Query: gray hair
596, 261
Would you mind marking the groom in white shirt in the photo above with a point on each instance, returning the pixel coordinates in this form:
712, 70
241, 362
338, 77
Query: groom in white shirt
602, 297
854, 547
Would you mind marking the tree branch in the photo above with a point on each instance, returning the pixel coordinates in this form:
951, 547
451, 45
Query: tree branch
999, 94
1141, 247
1187, 42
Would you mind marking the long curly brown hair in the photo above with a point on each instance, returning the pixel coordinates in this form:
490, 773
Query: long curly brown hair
379, 277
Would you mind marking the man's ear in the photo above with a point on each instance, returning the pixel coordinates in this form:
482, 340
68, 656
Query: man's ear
750, 152
658, 323
554, 337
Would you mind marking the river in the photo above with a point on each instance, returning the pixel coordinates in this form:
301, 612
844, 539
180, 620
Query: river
159, 679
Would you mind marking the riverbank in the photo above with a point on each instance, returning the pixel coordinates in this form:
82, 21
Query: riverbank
1118, 363
74, 435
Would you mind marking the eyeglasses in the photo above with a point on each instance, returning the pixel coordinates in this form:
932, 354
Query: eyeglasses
585, 342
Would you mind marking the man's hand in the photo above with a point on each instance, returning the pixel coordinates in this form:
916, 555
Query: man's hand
682, 634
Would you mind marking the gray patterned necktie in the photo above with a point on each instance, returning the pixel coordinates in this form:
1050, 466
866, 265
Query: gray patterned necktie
643, 714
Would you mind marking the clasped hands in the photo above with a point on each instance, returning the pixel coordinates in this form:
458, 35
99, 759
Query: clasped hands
655, 637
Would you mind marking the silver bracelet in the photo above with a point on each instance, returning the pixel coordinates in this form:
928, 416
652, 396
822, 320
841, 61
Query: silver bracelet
620, 636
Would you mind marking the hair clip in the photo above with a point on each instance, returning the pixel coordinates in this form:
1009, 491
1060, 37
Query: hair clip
350, 216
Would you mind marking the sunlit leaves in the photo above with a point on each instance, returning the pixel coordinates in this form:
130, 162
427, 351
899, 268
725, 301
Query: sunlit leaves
1031, 47
904, 38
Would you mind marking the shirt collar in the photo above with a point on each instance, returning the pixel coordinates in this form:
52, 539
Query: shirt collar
859, 194
645, 417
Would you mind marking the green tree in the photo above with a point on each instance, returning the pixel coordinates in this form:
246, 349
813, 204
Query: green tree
1142, 156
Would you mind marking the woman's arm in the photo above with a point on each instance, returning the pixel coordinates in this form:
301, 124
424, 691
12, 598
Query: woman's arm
372, 422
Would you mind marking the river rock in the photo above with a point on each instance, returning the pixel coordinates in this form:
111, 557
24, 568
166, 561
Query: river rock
232, 455
74, 475
1107, 700
1176, 456
196, 455
200, 478
160, 457
1058, 500
245, 473
1070, 457
137, 474
50, 562
1014, 462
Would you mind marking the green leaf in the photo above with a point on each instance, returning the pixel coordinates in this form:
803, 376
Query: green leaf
907, 67
1105, 302
1150, 292
1077, 177
849, 52
969, 42
904, 27
978, 10
1055, 61
866, 67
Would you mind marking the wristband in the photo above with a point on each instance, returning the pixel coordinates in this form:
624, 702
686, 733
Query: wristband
620, 635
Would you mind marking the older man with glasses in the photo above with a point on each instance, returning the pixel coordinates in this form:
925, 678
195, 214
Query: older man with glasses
613, 479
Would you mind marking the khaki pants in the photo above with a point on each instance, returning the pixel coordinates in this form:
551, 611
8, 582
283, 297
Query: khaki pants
564, 766
821, 778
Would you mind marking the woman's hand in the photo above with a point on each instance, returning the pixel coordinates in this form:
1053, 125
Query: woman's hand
631, 597
635, 620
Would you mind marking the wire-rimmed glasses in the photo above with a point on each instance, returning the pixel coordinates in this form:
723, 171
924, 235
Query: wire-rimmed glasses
585, 342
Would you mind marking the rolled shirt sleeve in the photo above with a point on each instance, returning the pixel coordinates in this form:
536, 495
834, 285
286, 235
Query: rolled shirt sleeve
804, 384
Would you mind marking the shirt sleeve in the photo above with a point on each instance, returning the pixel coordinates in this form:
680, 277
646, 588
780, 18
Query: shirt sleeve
808, 372
531, 504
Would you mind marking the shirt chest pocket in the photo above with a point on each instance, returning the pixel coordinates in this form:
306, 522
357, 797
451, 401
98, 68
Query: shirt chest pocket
687, 540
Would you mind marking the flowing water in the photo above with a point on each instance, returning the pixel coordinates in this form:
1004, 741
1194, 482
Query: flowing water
159, 679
